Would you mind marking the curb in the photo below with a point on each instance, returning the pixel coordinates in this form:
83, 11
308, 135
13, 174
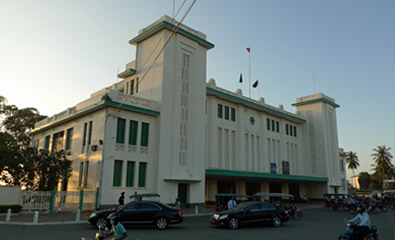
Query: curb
43, 224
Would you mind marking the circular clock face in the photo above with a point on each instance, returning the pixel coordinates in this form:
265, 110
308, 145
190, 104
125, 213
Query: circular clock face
252, 120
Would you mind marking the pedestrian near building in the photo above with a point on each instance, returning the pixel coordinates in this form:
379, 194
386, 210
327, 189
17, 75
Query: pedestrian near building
232, 203
121, 199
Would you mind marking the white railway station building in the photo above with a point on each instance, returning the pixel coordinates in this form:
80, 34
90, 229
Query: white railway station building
166, 129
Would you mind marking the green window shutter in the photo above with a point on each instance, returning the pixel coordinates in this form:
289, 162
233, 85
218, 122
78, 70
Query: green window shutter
117, 173
268, 124
144, 134
133, 132
286, 129
219, 111
294, 131
142, 174
277, 126
90, 133
121, 131
130, 174
69, 137
226, 112
233, 114
273, 129
84, 134
290, 131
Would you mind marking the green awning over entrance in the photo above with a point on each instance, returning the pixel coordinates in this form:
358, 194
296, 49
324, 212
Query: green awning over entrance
263, 176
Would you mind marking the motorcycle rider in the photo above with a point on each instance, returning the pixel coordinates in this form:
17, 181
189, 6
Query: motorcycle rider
363, 227
117, 229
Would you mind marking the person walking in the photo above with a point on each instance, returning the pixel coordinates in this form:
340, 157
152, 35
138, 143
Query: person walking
121, 199
232, 203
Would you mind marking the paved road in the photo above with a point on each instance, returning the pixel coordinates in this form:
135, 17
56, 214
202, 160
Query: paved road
315, 224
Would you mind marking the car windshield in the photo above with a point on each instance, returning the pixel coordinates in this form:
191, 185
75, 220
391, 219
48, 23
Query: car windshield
241, 206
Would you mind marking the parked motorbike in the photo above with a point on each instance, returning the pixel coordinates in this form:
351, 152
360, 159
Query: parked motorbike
350, 233
294, 212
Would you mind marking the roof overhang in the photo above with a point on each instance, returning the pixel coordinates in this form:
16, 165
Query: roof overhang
168, 26
235, 175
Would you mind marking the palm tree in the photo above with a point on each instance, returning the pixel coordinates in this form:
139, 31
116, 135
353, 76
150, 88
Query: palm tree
352, 161
382, 159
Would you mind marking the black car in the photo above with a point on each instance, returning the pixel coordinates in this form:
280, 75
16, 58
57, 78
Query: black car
251, 212
139, 212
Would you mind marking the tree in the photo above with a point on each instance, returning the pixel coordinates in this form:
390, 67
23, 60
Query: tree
382, 163
21, 164
364, 180
352, 161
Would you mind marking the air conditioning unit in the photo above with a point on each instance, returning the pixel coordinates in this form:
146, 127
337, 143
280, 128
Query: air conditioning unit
93, 148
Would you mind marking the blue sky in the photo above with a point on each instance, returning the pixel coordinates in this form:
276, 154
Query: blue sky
54, 54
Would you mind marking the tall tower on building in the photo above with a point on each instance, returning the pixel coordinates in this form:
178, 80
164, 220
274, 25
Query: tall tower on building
171, 68
323, 147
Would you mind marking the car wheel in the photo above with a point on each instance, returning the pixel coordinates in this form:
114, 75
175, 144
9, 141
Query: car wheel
162, 223
101, 222
276, 221
233, 223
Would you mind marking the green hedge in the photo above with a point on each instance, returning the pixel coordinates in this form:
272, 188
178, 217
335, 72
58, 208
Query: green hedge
14, 208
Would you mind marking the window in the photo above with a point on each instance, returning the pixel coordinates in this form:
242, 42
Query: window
46, 142
130, 174
277, 126
268, 124
142, 174
69, 138
132, 87
84, 135
57, 141
86, 173
233, 114
117, 178
273, 125
133, 132
291, 131
294, 131
90, 133
285, 168
81, 175
121, 131
341, 165
137, 85
219, 111
226, 113
144, 134
286, 129
148, 206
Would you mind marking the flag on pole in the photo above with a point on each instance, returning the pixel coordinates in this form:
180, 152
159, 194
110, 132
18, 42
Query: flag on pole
248, 49
255, 84
241, 78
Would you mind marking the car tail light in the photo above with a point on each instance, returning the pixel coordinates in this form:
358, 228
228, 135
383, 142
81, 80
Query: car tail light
179, 213
286, 212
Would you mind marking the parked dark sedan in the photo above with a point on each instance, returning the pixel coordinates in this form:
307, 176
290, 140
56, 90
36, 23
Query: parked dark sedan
251, 212
139, 212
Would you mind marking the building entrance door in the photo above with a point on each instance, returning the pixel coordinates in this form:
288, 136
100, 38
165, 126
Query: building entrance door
183, 194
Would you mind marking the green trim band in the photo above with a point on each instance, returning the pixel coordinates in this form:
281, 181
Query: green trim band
317, 100
166, 25
266, 109
181, 180
230, 173
130, 107
127, 73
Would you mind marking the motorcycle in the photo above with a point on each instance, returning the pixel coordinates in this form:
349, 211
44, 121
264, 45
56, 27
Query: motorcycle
99, 235
294, 212
350, 233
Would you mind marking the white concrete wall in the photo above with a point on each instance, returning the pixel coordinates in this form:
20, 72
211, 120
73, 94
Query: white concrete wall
10, 195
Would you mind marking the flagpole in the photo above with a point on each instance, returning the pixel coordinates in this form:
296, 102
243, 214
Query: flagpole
249, 72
